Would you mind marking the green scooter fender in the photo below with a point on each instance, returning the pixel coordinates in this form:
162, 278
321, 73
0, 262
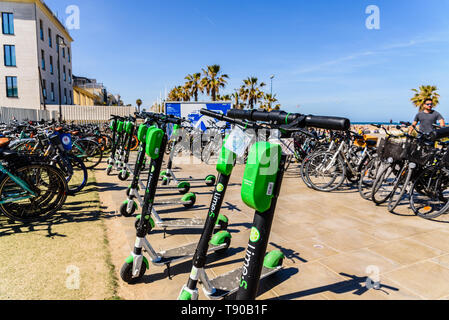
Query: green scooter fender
130, 260
222, 218
183, 185
135, 204
220, 237
185, 295
272, 259
148, 218
188, 197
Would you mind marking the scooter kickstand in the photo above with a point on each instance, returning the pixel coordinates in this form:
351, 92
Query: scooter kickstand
168, 271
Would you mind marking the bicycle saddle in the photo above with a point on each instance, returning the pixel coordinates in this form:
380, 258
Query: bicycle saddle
4, 142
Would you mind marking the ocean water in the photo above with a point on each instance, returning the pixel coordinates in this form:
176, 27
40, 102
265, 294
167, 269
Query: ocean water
378, 123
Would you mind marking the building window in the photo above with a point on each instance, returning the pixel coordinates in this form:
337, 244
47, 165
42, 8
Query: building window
65, 95
70, 97
70, 76
68, 54
8, 23
41, 30
52, 93
63, 52
50, 40
10, 55
65, 74
44, 88
43, 59
11, 87
51, 65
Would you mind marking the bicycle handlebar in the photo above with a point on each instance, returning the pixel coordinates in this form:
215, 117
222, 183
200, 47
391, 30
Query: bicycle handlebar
161, 117
439, 134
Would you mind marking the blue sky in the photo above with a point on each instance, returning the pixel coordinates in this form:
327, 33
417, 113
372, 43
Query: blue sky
323, 57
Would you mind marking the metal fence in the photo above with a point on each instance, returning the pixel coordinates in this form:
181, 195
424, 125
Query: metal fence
78, 114
8, 114
89, 114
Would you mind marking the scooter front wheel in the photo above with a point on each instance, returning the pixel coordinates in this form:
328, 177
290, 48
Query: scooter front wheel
124, 209
123, 175
126, 273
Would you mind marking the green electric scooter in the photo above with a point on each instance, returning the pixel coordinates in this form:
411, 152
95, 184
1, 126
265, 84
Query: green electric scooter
169, 176
261, 186
130, 206
136, 264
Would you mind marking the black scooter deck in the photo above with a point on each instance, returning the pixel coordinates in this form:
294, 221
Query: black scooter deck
183, 253
228, 283
182, 223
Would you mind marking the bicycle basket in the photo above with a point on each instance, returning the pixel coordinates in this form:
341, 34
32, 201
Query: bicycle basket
392, 149
419, 154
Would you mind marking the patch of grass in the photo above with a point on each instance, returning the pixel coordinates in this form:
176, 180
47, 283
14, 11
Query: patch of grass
65, 258
113, 280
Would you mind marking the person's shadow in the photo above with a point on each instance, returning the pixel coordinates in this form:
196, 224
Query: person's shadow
357, 285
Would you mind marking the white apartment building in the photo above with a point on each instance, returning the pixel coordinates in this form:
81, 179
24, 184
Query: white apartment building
30, 35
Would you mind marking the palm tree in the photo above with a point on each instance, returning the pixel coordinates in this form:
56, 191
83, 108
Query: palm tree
225, 97
179, 93
139, 103
236, 100
213, 80
268, 101
425, 92
194, 84
252, 91
174, 94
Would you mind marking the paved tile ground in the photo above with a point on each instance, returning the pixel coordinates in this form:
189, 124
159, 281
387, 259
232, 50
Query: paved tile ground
332, 242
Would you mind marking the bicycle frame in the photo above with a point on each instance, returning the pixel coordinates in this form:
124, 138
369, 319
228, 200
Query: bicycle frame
20, 183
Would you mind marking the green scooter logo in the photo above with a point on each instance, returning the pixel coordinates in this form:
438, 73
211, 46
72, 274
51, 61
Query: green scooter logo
220, 187
255, 235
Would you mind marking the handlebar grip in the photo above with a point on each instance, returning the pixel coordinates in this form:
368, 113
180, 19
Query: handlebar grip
173, 120
212, 114
280, 117
238, 114
332, 123
439, 134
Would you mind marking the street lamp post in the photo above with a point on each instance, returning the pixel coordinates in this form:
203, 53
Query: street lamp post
271, 89
60, 44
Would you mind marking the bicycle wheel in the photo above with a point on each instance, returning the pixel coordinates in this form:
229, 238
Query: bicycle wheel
429, 194
75, 173
302, 172
46, 181
399, 188
367, 177
383, 185
324, 173
89, 151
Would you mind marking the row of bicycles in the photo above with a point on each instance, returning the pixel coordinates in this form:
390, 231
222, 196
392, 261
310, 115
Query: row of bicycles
399, 169
42, 163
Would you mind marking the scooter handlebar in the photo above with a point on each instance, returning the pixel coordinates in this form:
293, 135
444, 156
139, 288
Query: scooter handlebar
332, 123
282, 117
